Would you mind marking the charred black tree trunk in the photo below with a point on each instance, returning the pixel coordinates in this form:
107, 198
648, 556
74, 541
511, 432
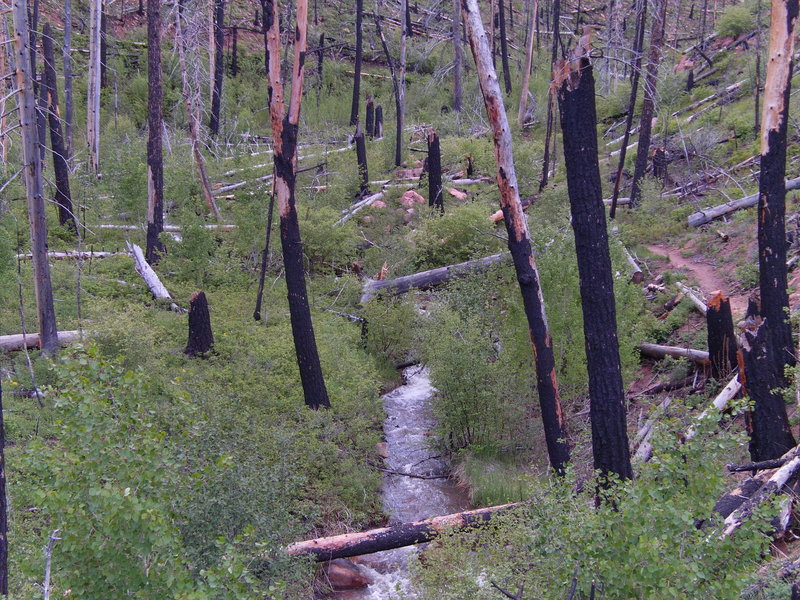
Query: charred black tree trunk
60, 168
434, 172
370, 118
155, 166
722, 346
767, 423
648, 106
379, 121
660, 164
219, 65
3, 504
361, 158
320, 58
574, 84
235, 52
201, 339
264, 259
103, 48
549, 126
504, 46
771, 186
357, 66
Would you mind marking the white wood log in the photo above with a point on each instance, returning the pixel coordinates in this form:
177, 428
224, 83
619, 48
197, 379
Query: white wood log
659, 351
706, 216
361, 204
698, 303
17, 341
727, 394
73, 254
150, 277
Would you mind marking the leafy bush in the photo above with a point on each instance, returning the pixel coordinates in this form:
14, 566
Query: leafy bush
735, 20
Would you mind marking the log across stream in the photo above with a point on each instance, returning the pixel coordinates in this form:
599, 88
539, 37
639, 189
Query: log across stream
407, 430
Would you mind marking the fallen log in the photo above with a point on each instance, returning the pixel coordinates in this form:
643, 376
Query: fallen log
706, 216
210, 227
757, 466
642, 449
428, 279
728, 393
659, 351
31, 340
358, 206
636, 271
698, 303
73, 254
388, 538
147, 273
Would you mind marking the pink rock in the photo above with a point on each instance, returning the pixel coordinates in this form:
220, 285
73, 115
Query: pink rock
343, 574
379, 204
413, 196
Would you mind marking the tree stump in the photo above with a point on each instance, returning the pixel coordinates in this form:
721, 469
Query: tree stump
370, 118
378, 133
201, 339
435, 199
721, 339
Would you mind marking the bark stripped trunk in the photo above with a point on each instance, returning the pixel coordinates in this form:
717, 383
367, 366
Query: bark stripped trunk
60, 168
519, 240
216, 90
32, 172
68, 76
103, 47
361, 159
192, 115
398, 83
767, 423
357, 67
458, 58
550, 117
3, 505
284, 131
201, 338
93, 89
235, 52
526, 74
772, 191
5, 89
501, 13
648, 106
722, 346
155, 166
320, 58
435, 198
574, 84
638, 46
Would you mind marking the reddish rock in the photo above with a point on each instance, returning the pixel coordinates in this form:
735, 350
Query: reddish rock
379, 204
343, 574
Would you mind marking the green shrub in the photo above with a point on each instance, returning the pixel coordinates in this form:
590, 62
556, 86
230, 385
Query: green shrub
735, 20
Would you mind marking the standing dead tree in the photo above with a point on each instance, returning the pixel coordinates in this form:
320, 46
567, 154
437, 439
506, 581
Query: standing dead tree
192, 112
771, 188
519, 240
648, 106
435, 198
219, 66
93, 86
357, 64
574, 85
65, 53
155, 165
398, 73
201, 338
60, 167
32, 172
550, 117
526, 74
284, 132
458, 58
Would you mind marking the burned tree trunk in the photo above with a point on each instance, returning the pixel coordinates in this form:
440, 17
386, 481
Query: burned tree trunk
67, 76
201, 339
370, 119
320, 58
32, 173
155, 165
357, 66
93, 86
458, 58
660, 164
361, 159
767, 423
3, 503
648, 106
550, 117
435, 198
284, 132
398, 83
722, 346
526, 74
501, 13
265, 255
772, 191
216, 90
235, 52
574, 83
60, 168
103, 47
519, 240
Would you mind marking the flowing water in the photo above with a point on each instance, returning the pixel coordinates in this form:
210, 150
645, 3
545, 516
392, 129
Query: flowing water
407, 430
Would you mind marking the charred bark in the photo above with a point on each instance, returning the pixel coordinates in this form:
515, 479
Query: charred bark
550, 117
435, 198
216, 90
361, 159
357, 65
574, 85
103, 48
378, 122
201, 338
155, 165
458, 58
60, 168
370, 119
648, 106
67, 76
3, 505
501, 13
722, 347
264, 258
772, 191
284, 131
519, 240
235, 52
767, 423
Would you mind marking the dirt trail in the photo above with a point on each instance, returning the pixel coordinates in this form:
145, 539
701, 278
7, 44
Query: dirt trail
707, 276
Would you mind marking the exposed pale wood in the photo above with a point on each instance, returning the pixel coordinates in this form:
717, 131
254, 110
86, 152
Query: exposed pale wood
728, 393
428, 279
72, 254
387, 538
361, 204
706, 216
660, 351
642, 447
636, 271
698, 303
16, 341
93, 86
150, 277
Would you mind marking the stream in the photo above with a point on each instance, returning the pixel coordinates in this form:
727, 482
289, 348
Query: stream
407, 430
